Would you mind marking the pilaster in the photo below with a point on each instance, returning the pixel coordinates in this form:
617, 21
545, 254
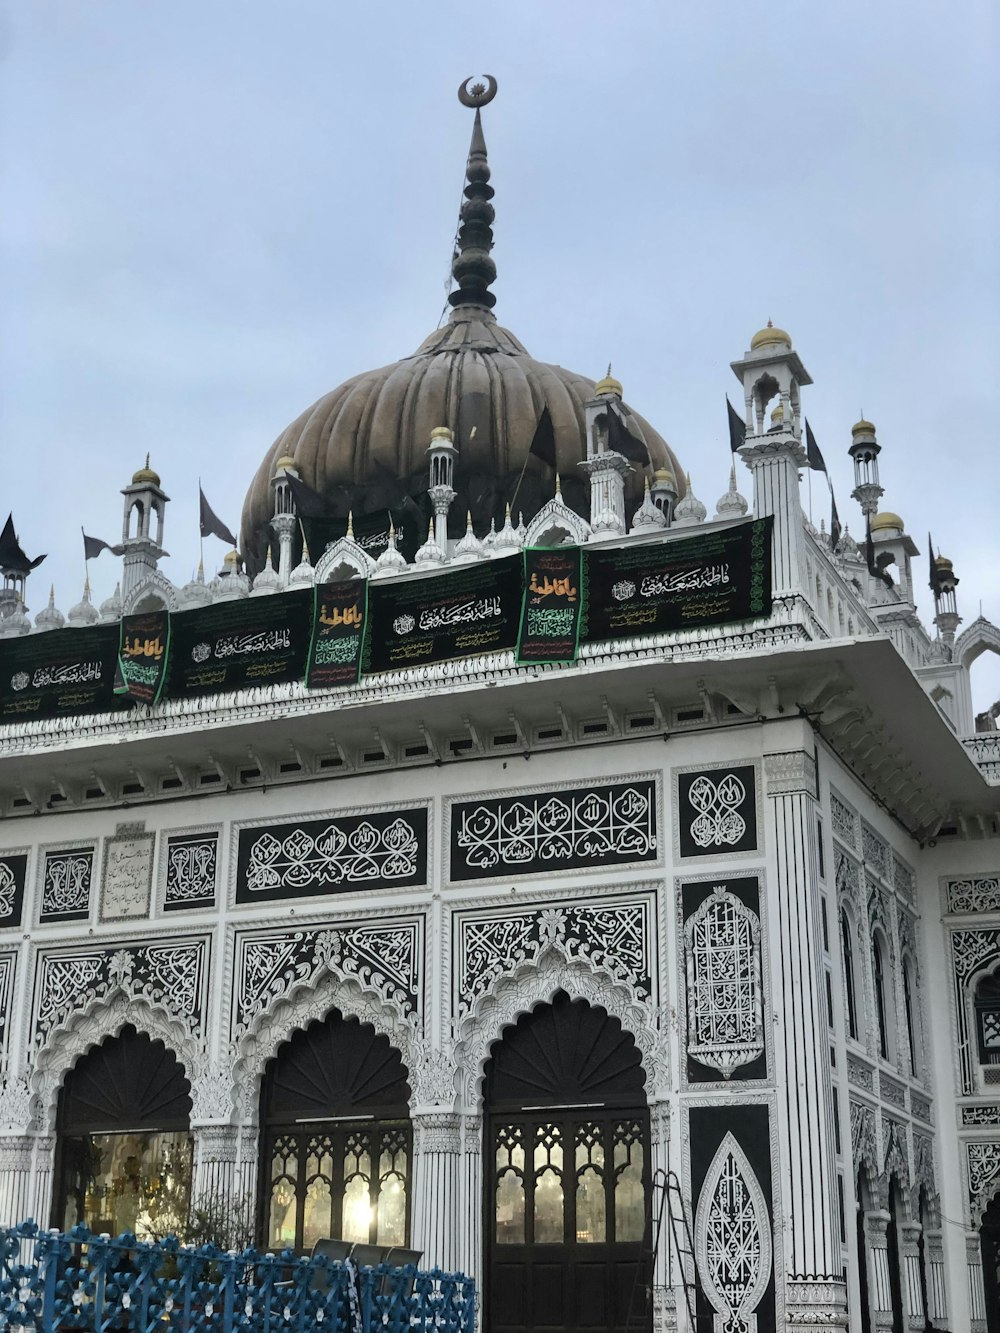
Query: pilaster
909, 1258
811, 1243
284, 525
16, 1156
977, 1296
879, 1286
437, 1158
665, 1283
469, 1258
937, 1292
775, 461
215, 1152
42, 1172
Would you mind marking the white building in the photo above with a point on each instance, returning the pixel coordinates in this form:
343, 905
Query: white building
478, 957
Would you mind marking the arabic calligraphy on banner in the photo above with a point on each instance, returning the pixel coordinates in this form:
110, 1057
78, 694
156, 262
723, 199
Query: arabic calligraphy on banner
142, 655
339, 614
550, 612
233, 645
58, 673
458, 614
706, 580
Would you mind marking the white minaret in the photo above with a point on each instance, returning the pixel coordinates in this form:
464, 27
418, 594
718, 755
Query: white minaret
775, 456
442, 454
864, 451
144, 501
284, 521
605, 468
946, 616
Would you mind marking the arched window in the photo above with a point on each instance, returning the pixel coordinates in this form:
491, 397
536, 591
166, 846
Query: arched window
847, 948
912, 1032
123, 1146
336, 1145
881, 997
988, 1019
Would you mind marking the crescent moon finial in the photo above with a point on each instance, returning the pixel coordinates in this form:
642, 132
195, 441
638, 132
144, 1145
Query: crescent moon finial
477, 92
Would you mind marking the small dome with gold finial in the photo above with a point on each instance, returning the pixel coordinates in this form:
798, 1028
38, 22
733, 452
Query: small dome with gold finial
146, 476
863, 427
285, 462
608, 385
943, 563
770, 337
887, 521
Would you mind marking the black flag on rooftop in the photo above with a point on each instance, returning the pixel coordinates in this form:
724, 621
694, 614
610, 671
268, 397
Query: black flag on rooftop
93, 546
737, 428
813, 456
308, 503
876, 568
543, 443
211, 524
623, 442
12, 557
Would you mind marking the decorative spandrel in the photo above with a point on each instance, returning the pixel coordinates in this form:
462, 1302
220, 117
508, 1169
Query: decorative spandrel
725, 1010
380, 849
13, 872
66, 883
717, 811
733, 1239
542, 832
191, 862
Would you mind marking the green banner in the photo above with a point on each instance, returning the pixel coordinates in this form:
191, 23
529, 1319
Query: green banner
659, 587
466, 611
339, 613
238, 644
58, 673
550, 612
143, 653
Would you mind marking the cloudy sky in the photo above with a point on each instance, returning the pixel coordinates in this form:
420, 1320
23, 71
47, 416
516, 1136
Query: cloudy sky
213, 211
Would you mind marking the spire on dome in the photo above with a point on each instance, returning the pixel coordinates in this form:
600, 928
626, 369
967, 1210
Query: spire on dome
472, 268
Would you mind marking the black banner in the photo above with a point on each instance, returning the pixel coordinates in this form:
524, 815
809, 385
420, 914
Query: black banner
710, 579
143, 653
59, 673
339, 613
235, 645
371, 531
553, 597
459, 614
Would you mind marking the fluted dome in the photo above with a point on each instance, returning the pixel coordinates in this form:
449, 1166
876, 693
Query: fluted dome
364, 445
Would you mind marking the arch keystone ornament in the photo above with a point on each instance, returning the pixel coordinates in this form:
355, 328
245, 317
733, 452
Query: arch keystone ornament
733, 1240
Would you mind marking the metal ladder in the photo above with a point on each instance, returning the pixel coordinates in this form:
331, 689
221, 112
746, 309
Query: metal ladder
683, 1245
666, 1187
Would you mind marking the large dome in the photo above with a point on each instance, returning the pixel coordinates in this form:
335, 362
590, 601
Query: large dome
364, 445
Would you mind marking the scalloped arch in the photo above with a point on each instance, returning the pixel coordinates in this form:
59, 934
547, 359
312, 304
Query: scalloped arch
982, 636
535, 983
101, 1018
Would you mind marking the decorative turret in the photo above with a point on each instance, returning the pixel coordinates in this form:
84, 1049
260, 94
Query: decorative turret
769, 369
430, 553
15, 567
141, 539
732, 504
944, 581
15, 624
85, 612
442, 454
690, 511
50, 617
864, 451
391, 561
267, 581
469, 548
648, 517
284, 521
231, 583
605, 468
197, 592
111, 607
507, 539
663, 493
303, 575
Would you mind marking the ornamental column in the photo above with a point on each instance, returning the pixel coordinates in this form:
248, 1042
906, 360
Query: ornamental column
937, 1297
470, 1201
42, 1172
437, 1219
16, 1202
808, 1209
909, 1256
664, 1282
879, 1287
977, 1295
214, 1177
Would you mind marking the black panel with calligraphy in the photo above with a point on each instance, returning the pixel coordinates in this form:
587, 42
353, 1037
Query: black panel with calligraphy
66, 885
190, 878
554, 830
717, 811
380, 850
13, 870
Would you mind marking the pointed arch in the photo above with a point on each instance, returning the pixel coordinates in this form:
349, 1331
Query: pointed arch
343, 559
982, 636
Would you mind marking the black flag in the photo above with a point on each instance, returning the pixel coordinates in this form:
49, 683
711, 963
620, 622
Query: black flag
835, 532
12, 557
543, 443
308, 503
93, 546
211, 524
813, 456
737, 428
874, 568
623, 442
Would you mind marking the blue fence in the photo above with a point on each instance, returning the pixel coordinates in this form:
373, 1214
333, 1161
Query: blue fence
53, 1281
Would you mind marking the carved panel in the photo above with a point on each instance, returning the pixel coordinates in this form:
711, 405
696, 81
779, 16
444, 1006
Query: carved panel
725, 1009
984, 1176
980, 1116
717, 811
848, 877
66, 880
874, 851
565, 829
844, 820
920, 1107
8, 962
973, 895
13, 873
923, 1161
191, 866
171, 975
864, 1144
860, 1074
892, 1092
895, 1158
615, 937
376, 850
973, 952
384, 958
127, 873
903, 879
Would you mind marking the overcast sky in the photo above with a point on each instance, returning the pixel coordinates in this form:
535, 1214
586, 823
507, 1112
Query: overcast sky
214, 212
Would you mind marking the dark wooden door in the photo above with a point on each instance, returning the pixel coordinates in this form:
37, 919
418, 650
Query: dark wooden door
990, 1241
567, 1180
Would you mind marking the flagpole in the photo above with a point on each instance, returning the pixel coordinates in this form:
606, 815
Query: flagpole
201, 535
520, 479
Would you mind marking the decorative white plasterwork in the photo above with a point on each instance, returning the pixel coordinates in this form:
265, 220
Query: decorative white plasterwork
537, 982
346, 554
983, 1164
725, 1009
864, 1142
555, 522
155, 585
733, 1239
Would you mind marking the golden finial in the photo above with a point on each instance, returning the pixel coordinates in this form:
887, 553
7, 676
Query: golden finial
392, 529
86, 588
468, 520
350, 523
507, 515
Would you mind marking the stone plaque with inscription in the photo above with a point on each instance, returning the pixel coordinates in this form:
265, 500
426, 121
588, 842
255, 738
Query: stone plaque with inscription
128, 873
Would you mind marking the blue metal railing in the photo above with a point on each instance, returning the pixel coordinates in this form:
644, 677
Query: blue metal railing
52, 1281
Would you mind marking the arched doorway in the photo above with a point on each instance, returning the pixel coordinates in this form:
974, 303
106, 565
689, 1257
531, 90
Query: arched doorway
123, 1146
864, 1204
892, 1255
336, 1141
567, 1175
989, 1239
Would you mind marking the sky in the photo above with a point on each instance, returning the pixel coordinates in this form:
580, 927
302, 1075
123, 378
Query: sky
214, 211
